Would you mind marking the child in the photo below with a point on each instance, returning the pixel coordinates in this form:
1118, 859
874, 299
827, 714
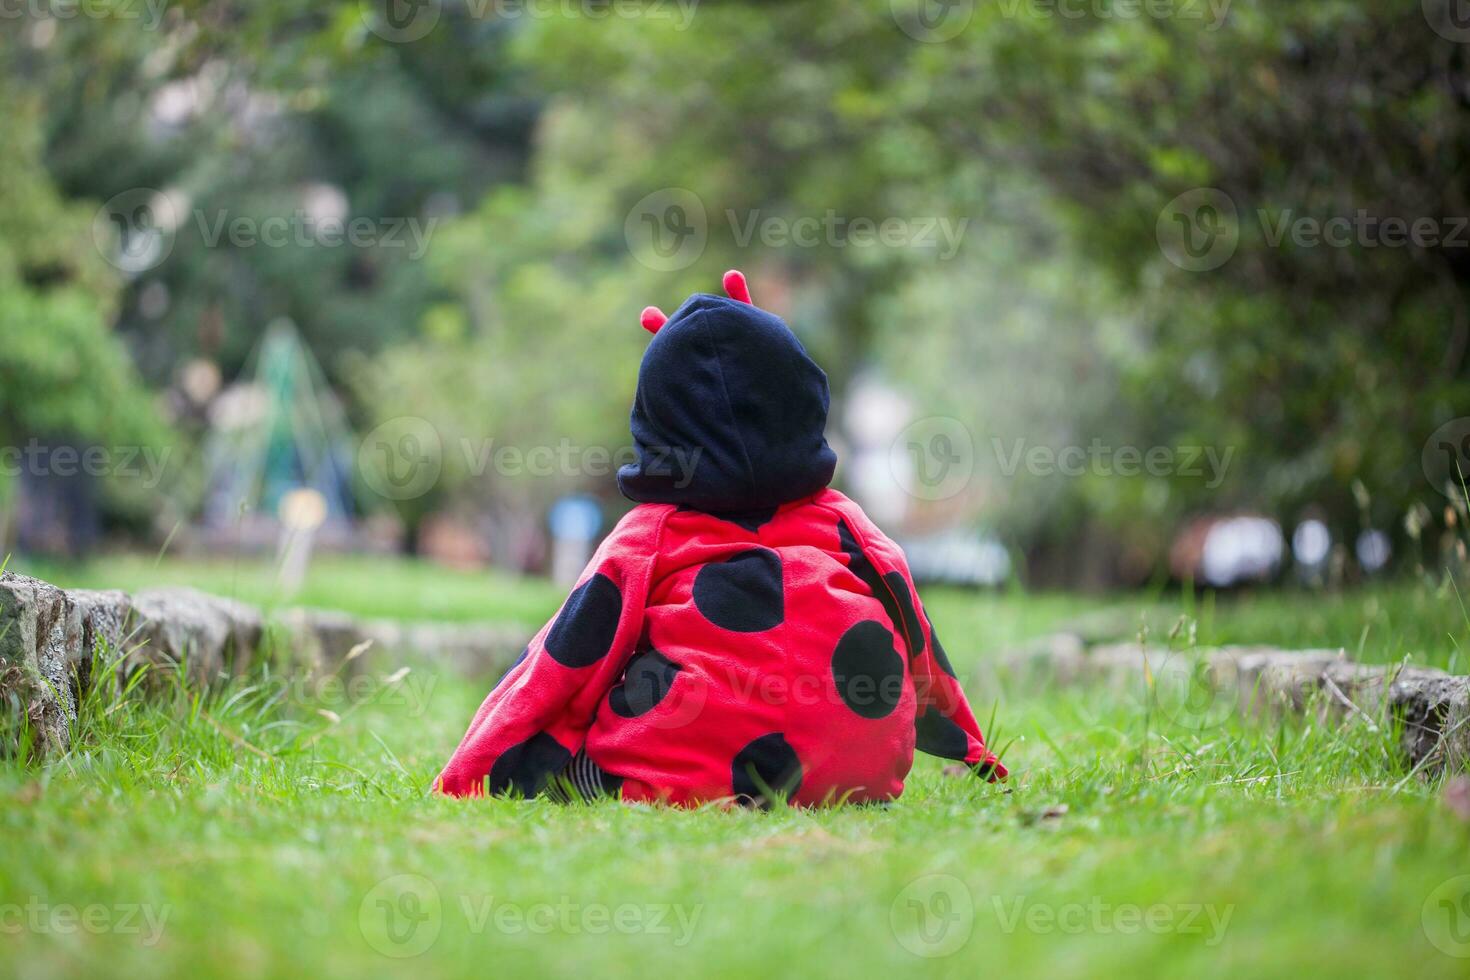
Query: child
744, 633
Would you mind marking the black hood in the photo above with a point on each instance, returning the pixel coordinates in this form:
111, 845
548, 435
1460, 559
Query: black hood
730, 412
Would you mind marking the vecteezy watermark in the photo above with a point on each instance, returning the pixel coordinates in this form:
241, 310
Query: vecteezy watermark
1450, 19
933, 457
37, 915
403, 688
1363, 230
933, 916
403, 916
146, 464
679, 12
147, 13
400, 21
403, 459
406, 21
1200, 230
136, 230
937, 21
1446, 917
1100, 917
936, 233
1445, 458
932, 21
568, 458
669, 229
1211, 13
1187, 691
300, 230
1098, 458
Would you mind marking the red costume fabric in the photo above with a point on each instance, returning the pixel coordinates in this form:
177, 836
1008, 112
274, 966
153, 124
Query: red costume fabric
777, 651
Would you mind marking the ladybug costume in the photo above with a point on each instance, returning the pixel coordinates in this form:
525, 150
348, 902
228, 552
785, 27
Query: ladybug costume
745, 633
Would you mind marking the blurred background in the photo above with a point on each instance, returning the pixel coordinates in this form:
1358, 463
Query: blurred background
1111, 294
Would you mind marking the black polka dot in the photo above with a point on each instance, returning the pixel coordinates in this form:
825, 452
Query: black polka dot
890, 590
744, 593
648, 678
868, 671
939, 654
512, 668
584, 629
525, 768
750, 520
937, 735
903, 614
767, 765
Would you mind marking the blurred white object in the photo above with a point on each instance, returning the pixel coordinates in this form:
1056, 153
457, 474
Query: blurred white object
1374, 550
302, 512
575, 521
1241, 549
958, 558
1311, 542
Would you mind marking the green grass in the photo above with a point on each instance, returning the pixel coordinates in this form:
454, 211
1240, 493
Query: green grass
274, 831
386, 587
1379, 625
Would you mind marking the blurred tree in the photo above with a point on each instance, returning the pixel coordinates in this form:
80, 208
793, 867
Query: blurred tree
65, 378
311, 160
1065, 139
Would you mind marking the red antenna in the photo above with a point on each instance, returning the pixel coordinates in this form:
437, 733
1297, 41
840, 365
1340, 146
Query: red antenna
736, 286
653, 318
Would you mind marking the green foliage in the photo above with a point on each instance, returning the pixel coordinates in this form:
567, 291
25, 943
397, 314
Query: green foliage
1053, 138
64, 374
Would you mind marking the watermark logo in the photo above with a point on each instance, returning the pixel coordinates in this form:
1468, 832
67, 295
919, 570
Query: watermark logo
1211, 13
36, 915
401, 916
680, 12
402, 458
1098, 458
933, 916
1450, 19
148, 13
1446, 917
400, 21
1199, 230
939, 234
1445, 458
135, 230
933, 458
1182, 690
300, 229
146, 464
667, 230
932, 21
1099, 917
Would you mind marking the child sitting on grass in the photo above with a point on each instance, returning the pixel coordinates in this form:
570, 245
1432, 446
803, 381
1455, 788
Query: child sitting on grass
745, 632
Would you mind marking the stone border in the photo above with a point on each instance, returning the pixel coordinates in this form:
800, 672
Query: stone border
1431, 706
51, 638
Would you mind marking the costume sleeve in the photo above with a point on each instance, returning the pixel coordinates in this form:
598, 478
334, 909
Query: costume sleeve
944, 725
537, 717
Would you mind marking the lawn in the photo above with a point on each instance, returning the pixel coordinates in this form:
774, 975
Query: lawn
274, 831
